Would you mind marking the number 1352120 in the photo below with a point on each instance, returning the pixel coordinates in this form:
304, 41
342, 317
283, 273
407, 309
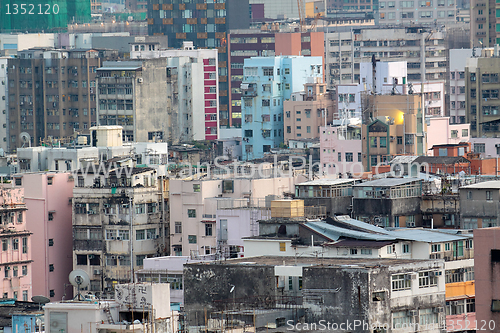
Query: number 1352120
31, 9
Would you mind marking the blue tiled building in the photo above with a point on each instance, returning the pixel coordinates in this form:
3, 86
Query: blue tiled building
267, 83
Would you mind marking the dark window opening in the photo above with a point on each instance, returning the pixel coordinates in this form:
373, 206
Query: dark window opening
495, 255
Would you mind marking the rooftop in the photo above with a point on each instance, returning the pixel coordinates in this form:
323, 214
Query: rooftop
327, 182
388, 182
306, 261
488, 184
441, 159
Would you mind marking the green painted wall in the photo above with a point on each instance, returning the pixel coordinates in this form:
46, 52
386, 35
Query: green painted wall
46, 15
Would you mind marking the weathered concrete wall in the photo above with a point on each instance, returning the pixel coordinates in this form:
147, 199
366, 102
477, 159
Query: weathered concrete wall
335, 294
204, 284
334, 206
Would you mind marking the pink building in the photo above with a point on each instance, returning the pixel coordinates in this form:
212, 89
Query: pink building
441, 132
340, 150
487, 275
16, 261
48, 199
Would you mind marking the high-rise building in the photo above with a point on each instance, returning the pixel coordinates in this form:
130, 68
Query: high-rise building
483, 23
269, 81
206, 24
481, 99
51, 95
244, 44
192, 91
4, 95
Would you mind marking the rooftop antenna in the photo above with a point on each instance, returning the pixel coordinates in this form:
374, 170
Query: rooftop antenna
79, 279
40, 300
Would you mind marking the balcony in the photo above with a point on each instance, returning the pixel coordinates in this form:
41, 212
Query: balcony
248, 90
481, 33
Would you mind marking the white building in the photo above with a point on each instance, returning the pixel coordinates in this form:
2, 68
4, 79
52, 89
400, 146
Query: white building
346, 49
417, 12
457, 92
194, 220
10, 43
192, 77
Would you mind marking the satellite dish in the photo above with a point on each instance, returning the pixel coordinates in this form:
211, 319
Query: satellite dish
25, 138
79, 279
40, 299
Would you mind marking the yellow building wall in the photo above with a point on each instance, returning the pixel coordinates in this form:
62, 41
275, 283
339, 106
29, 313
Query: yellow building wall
458, 289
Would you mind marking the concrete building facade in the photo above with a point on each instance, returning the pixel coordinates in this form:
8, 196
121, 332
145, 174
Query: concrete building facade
307, 111
268, 82
192, 90
16, 260
457, 93
442, 131
479, 206
48, 202
118, 221
67, 100
341, 149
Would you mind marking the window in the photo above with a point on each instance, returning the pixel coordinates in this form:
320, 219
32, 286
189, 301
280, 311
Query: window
208, 229
51, 242
268, 71
178, 227
366, 251
401, 282
140, 208
25, 245
15, 244
151, 233
427, 317
24, 270
427, 279
5, 245
406, 248
49, 180
139, 259
6, 271
51, 267
192, 239
51, 216
436, 248
15, 271
383, 142
469, 195
488, 195
25, 295
196, 187
359, 157
140, 234
192, 213
465, 132
282, 246
454, 275
479, 147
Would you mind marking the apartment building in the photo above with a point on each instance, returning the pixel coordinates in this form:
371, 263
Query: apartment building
417, 12
395, 126
268, 82
244, 44
16, 239
213, 215
441, 131
207, 24
457, 93
48, 201
192, 90
118, 221
483, 18
4, 98
307, 111
341, 149
51, 95
344, 50
481, 101
393, 293
479, 205
133, 94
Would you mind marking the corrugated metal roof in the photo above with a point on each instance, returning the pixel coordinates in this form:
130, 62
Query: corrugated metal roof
361, 243
388, 182
426, 235
409, 234
131, 68
404, 159
489, 184
441, 159
334, 233
360, 224
327, 181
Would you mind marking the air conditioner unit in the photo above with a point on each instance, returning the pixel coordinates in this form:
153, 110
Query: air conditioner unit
454, 303
112, 238
97, 272
113, 257
403, 42
377, 220
118, 238
408, 277
414, 276
433, 273
12, 214
140, 80
91, 256
113, 184
439, 309
412, 313
120, 257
